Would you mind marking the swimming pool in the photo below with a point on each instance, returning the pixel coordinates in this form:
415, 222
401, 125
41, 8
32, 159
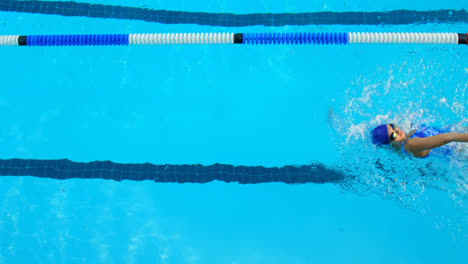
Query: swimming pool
255, 106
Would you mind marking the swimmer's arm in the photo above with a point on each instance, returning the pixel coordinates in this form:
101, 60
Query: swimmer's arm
416, 145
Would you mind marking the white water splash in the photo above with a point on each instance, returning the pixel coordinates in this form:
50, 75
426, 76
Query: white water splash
410, 94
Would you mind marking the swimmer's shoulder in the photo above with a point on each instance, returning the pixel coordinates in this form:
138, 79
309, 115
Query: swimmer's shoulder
411, 144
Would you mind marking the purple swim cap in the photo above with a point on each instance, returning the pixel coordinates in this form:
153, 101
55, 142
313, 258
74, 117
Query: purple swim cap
380, 135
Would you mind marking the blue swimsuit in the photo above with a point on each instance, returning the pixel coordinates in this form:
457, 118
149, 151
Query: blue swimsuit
423, 131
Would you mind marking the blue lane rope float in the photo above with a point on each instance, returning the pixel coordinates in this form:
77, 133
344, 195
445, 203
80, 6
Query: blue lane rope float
300, 38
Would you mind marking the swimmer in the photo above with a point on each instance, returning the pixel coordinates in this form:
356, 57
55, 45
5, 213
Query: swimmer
419, 142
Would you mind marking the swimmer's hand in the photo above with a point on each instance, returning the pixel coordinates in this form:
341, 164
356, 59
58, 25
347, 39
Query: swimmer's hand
330, 113
337, 122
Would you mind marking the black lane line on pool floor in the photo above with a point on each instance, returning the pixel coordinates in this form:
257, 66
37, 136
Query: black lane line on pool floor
396, 17
66, 169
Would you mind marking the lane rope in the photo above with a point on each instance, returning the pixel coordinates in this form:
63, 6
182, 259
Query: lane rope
299, 38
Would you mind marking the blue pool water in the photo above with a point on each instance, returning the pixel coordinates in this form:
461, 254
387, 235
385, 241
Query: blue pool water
266, 106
